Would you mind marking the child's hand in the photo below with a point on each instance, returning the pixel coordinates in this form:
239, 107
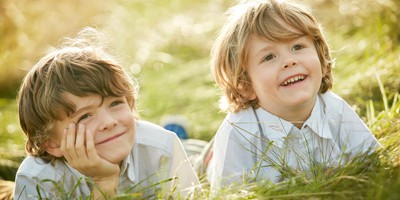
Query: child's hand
77, 146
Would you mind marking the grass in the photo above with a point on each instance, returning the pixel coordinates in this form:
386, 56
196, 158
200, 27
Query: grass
166, 44
376, 176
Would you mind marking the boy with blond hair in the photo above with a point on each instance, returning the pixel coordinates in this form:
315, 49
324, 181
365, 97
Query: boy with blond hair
273, 66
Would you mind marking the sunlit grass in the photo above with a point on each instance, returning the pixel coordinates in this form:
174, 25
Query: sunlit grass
374, 176
11, 140
165, 44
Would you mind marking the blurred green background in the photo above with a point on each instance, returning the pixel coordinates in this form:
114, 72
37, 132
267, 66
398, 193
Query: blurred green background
166, 46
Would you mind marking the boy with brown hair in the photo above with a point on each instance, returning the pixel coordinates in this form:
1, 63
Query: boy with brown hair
77, 109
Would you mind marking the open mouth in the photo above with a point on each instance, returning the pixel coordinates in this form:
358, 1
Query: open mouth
293, 80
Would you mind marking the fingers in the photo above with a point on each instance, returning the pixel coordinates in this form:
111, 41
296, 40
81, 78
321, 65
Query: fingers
70, 140
64, 144
73, 142
80, 148
90, 146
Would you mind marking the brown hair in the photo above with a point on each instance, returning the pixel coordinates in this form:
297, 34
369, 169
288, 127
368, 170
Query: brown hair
80, 70
264, 19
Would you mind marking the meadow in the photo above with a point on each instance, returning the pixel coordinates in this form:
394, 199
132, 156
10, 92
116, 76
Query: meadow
166, 46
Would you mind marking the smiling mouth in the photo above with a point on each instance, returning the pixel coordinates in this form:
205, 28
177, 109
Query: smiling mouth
293, 80
110, 138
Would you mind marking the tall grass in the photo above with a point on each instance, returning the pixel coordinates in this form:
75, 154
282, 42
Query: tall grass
165, 44
367, 176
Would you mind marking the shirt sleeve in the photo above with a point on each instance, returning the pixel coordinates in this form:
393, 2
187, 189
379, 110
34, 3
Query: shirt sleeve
25, 188
159, 151
356, 136
232, 158
351, 133
38, 180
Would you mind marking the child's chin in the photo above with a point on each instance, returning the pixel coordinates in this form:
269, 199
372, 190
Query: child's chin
116, 157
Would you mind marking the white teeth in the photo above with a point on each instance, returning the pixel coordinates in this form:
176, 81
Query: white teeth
293, 79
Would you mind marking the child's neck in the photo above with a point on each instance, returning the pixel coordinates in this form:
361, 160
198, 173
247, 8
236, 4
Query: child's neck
298, 124
299, 119
296, 115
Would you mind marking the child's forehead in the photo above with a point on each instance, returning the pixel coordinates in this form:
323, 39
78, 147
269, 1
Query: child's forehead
274, 41
284, 33
81, 98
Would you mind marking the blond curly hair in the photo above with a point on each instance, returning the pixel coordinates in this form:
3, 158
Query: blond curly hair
262, 18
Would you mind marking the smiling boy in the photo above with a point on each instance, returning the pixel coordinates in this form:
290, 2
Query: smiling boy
286, 76
77, 108
273, 66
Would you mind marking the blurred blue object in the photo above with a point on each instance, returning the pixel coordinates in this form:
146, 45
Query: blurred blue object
198, 151
178, 129
177, 124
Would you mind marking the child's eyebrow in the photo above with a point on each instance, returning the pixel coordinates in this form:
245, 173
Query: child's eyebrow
300, 37
265, 48
77, 112
88, 106
82, 109
260, 52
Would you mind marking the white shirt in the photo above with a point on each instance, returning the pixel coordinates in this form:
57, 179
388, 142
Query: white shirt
157, 155
242, 148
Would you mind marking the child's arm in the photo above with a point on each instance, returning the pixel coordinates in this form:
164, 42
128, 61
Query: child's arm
79, 150
39, 178
233, 155
356, 136
351, 133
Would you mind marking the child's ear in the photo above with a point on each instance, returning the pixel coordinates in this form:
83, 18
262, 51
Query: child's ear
252, 95
53, 148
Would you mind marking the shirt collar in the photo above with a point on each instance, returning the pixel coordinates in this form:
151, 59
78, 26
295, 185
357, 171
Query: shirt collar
317, 121
128, 167
276, 129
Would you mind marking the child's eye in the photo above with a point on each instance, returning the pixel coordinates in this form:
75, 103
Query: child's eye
269, 57
117, 102
297, 47
83, 117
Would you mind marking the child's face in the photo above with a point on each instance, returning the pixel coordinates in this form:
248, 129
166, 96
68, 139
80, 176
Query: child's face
111, 122
286, 76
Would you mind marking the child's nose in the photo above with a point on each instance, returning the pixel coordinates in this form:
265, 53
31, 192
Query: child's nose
107, 122
290, 62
